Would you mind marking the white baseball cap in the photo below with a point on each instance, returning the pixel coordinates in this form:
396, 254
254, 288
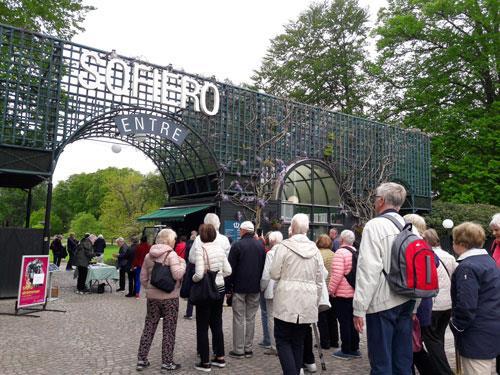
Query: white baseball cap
248, 226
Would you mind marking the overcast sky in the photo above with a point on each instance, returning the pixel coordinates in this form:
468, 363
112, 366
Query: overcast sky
225, 38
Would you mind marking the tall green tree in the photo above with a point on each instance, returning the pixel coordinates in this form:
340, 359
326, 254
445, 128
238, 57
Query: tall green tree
320, 58
61, 18
438, 70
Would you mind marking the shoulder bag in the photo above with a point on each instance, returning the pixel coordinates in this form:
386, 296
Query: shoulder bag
161, 276
205, 290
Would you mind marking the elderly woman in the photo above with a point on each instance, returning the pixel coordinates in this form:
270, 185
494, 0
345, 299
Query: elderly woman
210, 256
433, 335
495, 246
161, 304
343, 292
267, 286
475, 316
298, 268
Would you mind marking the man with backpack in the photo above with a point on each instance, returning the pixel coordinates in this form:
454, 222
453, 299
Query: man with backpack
386, 307
341, 286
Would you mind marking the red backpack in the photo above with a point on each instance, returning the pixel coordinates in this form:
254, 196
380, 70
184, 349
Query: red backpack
413, 270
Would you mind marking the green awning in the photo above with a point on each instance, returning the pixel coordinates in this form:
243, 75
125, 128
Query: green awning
173, 213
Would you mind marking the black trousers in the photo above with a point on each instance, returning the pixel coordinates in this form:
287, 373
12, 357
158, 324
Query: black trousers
433, 338
290, 345
308, 347
57, 260
82, 276
348, 334
209, 315
131, 282
422, 362
328, 327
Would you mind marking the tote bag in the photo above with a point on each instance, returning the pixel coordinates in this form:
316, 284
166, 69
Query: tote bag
205, 290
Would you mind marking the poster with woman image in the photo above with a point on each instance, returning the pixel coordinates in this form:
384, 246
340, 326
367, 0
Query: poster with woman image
33, 280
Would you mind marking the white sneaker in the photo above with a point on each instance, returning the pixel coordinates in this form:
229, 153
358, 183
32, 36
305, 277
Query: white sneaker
301, 371
310, 367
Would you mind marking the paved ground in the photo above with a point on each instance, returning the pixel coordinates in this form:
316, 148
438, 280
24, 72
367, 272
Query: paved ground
99, 334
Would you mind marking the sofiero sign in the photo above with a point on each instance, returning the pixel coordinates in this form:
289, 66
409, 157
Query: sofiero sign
136, 80
153, 125
33, 280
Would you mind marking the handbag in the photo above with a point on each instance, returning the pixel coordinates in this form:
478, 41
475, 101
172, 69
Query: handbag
187, 281
161, 276
205, 290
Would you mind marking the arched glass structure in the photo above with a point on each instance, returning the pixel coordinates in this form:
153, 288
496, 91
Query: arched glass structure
309, 188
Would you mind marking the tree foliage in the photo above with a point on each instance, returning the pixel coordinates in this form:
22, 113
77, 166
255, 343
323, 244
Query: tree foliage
84, 222
320, 58
62, 18
438, 70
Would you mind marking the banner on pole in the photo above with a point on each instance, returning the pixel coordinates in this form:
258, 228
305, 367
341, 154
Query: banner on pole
33, 280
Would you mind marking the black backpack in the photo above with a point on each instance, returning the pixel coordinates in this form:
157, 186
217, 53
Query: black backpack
351, 276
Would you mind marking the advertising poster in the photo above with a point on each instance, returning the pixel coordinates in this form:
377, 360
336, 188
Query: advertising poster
232, 230
33, 280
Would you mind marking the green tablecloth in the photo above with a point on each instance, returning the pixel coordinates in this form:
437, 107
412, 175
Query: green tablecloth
98, 273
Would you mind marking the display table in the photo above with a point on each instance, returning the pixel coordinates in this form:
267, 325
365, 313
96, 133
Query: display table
101, 272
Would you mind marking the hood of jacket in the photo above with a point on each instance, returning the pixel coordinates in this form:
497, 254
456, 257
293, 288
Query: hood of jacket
301, 245
159, 250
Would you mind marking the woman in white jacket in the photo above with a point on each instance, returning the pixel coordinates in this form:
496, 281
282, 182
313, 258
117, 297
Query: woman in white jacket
433, 336
267, 286
210, 256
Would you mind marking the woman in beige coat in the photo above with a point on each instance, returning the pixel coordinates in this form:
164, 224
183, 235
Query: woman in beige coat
161, 304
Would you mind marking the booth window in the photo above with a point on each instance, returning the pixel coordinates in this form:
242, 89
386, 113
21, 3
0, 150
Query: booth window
309, 188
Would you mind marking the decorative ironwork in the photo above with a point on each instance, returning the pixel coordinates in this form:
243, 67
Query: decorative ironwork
54, 92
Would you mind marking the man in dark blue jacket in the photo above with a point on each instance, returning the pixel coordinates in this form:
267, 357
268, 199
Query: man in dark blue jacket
247, 257
475, 298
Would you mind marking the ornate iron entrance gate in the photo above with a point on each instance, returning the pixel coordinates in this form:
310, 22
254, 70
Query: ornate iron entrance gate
54, 92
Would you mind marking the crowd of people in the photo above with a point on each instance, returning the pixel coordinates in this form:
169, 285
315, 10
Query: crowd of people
329, 285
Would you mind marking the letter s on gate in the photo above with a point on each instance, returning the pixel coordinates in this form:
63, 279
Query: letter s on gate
88, 71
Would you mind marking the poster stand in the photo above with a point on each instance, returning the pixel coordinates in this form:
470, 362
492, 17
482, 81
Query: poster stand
37, 267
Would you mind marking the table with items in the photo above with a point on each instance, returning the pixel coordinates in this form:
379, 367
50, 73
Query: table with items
101, 272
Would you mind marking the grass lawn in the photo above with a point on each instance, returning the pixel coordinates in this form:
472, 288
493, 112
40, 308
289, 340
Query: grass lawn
108, 253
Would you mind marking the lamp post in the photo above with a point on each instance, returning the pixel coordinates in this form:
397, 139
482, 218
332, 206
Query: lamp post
448, 224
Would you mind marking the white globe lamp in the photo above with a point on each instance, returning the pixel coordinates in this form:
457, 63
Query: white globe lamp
447, 224
116, 148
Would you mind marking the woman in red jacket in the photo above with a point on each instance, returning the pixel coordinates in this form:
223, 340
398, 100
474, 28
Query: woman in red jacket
140, 253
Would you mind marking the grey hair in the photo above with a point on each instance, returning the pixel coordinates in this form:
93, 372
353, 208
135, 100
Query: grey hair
213, 219
120, 239
166, 237
275, 237
495, 221
347, 236
418, 221
393, 194
300, 224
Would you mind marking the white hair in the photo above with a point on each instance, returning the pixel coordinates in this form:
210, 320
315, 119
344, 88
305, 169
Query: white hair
100, 236
418, 221
166, 237
213, 219
393, 194
495, 221
92, 238
348, 236
120, 239
275, 237
300, 224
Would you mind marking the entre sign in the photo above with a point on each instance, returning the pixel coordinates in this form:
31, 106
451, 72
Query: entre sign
154, 125
130, 78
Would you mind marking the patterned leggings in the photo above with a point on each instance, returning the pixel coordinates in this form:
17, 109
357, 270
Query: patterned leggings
156, 309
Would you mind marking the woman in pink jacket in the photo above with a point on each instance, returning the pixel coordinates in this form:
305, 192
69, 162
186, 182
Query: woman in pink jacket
343, 292
161, 304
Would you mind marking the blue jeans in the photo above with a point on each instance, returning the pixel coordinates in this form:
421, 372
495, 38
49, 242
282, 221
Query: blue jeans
390, 341
266, 341
137, 280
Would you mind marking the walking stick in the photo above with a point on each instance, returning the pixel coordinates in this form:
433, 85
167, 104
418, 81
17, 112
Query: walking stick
458, 360
320, 352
